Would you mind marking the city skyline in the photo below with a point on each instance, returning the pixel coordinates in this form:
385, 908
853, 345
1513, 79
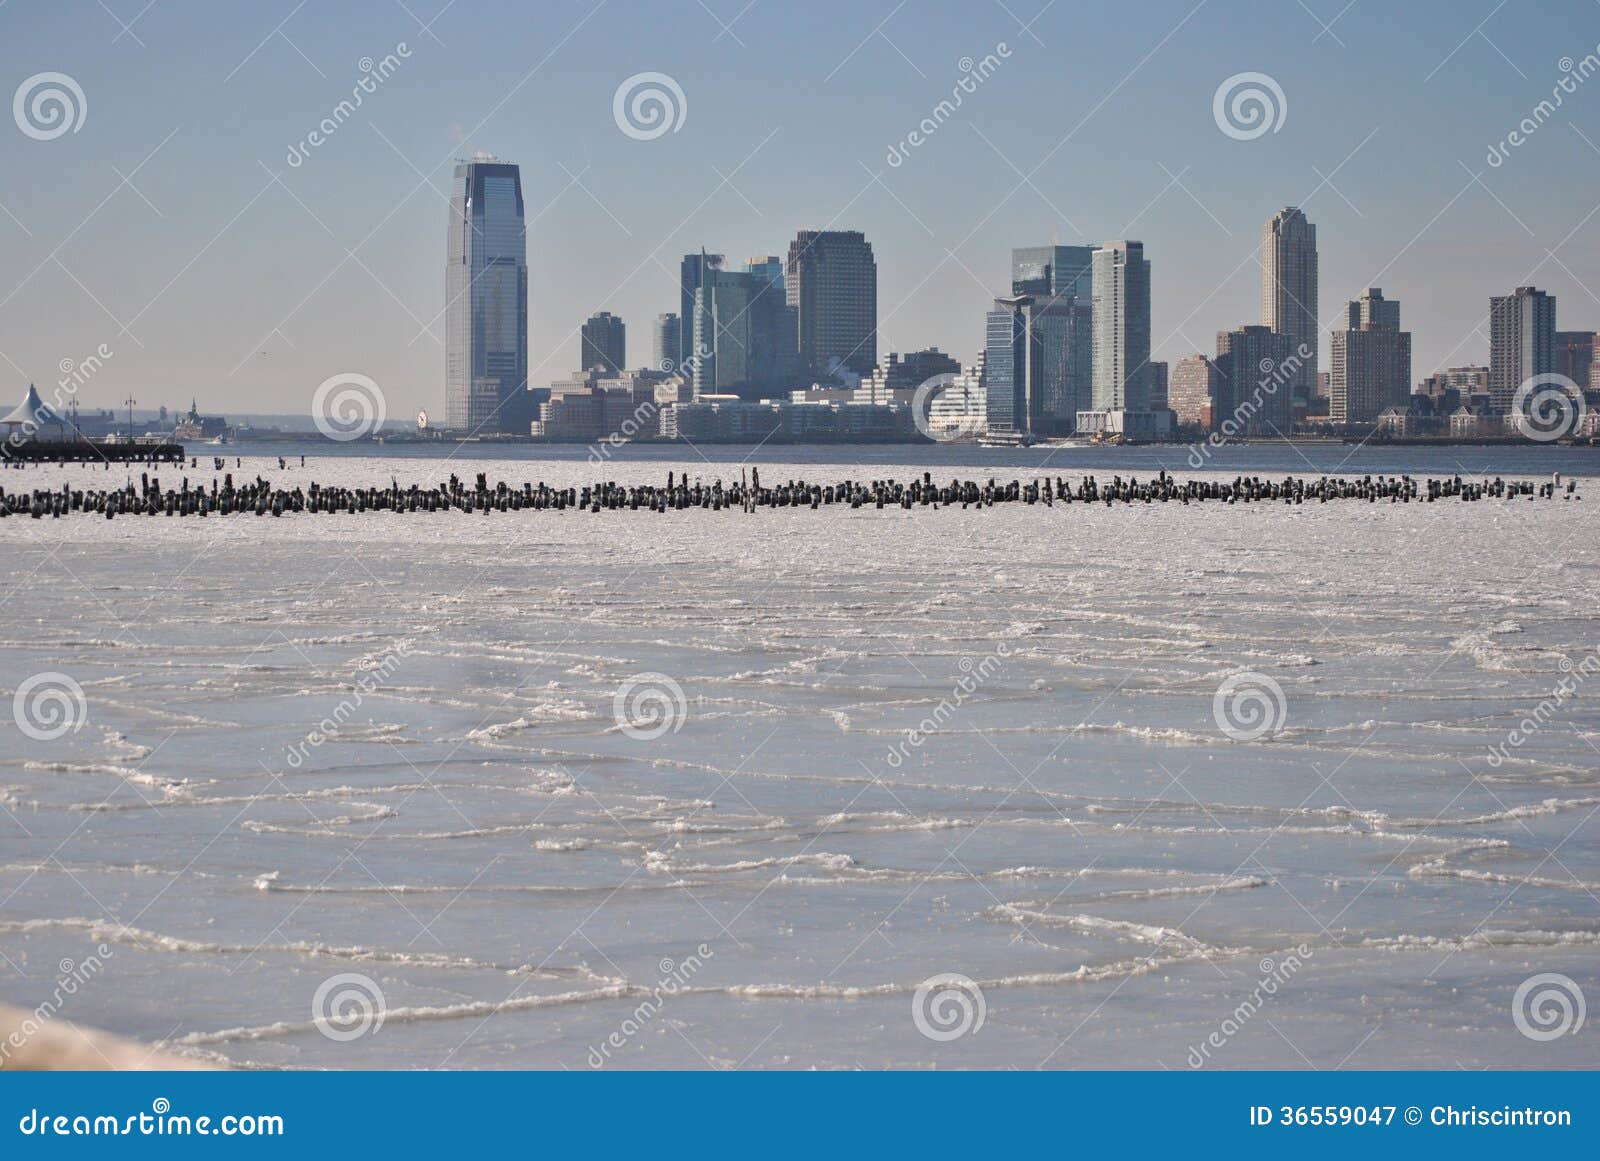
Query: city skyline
1400, 188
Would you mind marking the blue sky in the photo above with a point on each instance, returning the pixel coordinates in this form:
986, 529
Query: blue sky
219, 270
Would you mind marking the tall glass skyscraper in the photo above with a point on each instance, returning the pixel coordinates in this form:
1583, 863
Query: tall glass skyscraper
832, 284
744, 331
691, 273
1037, 365
1053, 271
486, 295
1121, 328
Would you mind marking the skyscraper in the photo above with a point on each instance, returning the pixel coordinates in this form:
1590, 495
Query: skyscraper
1053, 271
1522, 342
1192, 391
1371, 361
1256, 368
1289, 291
690, 273
1158, 386
1575, 356
1038, 357
604, 343
744, 331
1370, 308
1008, 356
1121, 328
832, 284
666, 339
486, 301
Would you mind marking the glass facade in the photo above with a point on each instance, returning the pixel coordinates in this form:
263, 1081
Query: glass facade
1037, 359
486, 311
1121, 328
1052, 271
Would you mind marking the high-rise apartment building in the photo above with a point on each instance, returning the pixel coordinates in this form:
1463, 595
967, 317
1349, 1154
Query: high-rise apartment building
1522, 342
1289, 291
1121, 280
666, 343
1372, 308
604, 342
486, 301
1575, 357
831, 282
1192, 391
1370, 367
1257, 368
1158, 386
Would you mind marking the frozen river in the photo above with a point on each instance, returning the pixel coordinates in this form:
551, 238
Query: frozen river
1148, 786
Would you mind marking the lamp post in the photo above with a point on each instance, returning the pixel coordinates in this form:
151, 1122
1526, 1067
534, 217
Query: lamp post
130, 401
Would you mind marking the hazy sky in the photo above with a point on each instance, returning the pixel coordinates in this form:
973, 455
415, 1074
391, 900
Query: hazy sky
171, 228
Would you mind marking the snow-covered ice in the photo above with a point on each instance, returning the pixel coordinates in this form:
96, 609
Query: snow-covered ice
894, 745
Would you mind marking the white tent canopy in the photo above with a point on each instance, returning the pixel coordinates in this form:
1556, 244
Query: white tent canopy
32, 410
